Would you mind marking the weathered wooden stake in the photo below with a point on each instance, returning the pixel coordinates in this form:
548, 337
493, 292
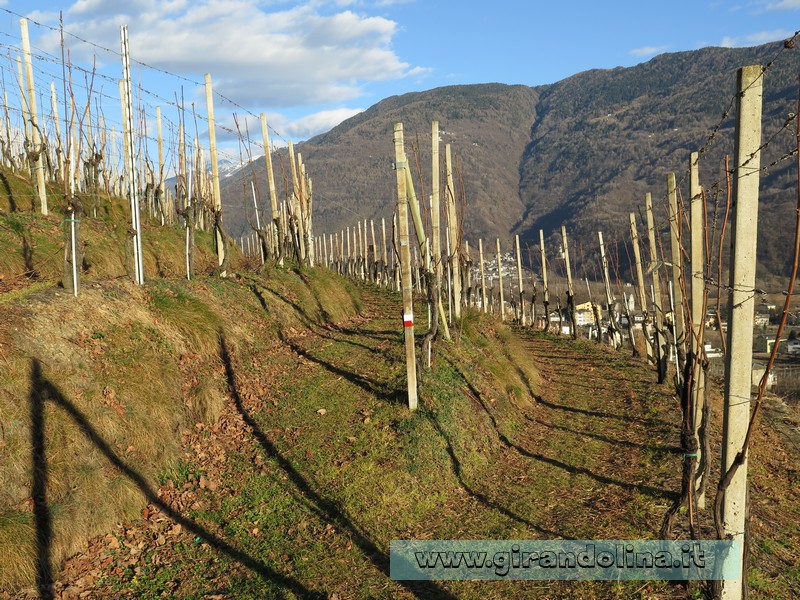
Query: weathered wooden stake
698, 323
36, 134
212, 147
570, 291
519, 282
676, 236
613, 332
545, 289
483, 276
160, 185
133, 191
405, 266
659, 341
455, 237
500, 282
637, 254
385, 265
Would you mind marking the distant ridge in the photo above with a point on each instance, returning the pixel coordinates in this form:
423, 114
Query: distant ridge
581, 152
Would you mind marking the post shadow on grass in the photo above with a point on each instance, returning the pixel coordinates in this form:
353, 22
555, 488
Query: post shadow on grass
12, 202
572, 469
542, 401
43, 390
324, 508
257, 288
379, 390
480, 497
42, 519
613, 441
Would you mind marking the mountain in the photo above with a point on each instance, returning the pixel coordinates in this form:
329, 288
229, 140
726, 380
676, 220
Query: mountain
580, 152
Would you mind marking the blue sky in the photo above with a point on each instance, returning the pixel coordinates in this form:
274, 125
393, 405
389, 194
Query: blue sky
310, 64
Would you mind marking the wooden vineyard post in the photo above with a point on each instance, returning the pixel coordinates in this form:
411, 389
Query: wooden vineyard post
57, 125
405, 266
637, 254
449, 276
360, 251
349, 270
698, 324
373, 265
436, 236
455, 237
519, 282
675, 228
468, 269
384, 261
133, 191
573, 325
342, 263
24, 104
595, 314
160, 185
741, 307
545, 290
296, 210
483, 276
659, 341
217, 200
613, 332
36, 133
500, 282
395, 255
273, 196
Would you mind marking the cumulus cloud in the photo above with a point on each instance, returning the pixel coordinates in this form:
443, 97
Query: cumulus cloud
648, 51
755, 39
784, 5
319, 122
310, 53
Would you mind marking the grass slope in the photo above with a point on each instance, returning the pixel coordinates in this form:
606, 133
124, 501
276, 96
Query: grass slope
313, 464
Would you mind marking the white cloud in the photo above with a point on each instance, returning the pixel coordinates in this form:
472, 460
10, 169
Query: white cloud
306, 54
755, 39
648, 51
784, 5
319, 122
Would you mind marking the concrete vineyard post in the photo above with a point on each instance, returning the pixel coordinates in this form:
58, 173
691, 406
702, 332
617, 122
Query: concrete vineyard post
741, 306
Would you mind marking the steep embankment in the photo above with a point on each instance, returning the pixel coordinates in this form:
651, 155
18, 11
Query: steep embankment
95, 392
251, 438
